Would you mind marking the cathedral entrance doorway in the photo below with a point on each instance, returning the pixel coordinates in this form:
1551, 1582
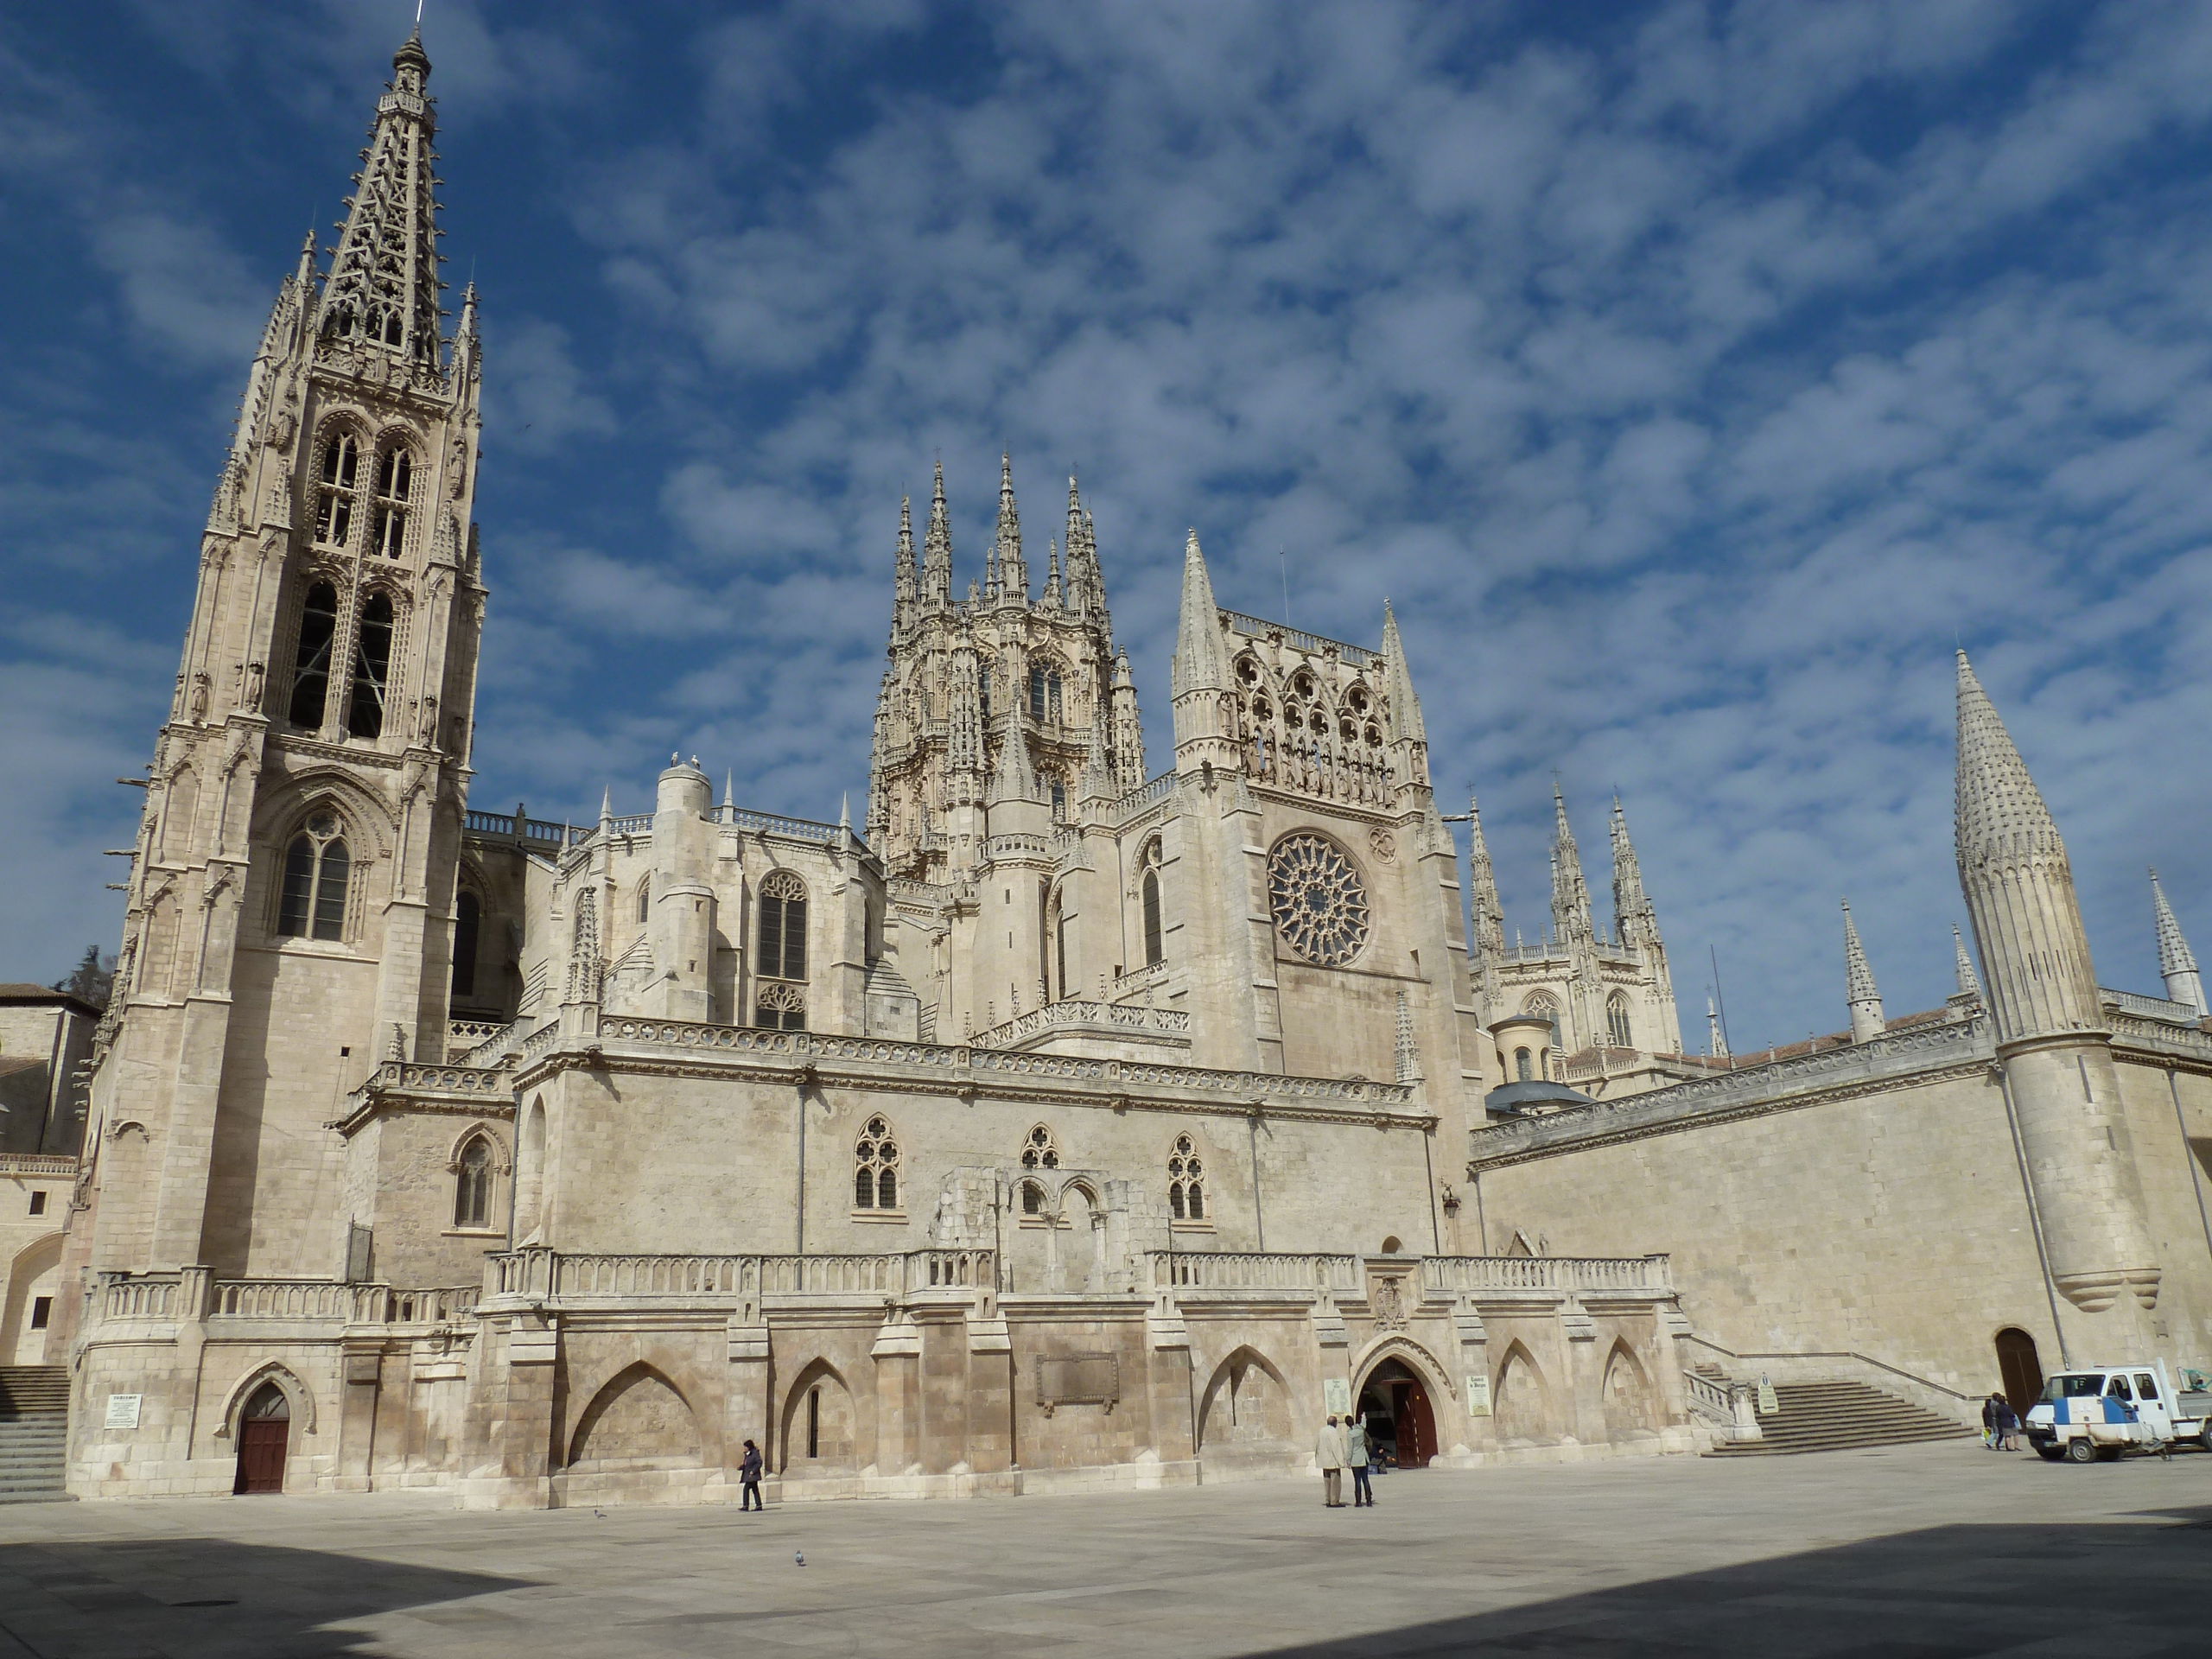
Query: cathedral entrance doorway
2018, 1369
1395, 1404
264, 1436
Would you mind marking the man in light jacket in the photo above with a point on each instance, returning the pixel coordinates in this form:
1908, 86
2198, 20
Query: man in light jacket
1356, 1456
1329, 1453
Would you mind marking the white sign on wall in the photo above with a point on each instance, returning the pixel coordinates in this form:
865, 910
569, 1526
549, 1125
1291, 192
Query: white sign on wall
123, 1410
1336, 1397
1478, 1396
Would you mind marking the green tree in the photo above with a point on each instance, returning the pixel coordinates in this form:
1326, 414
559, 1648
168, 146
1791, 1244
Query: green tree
93, 979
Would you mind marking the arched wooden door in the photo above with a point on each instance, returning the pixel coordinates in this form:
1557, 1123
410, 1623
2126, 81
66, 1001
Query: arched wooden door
2019, 1368
264, 1436
1395, 1395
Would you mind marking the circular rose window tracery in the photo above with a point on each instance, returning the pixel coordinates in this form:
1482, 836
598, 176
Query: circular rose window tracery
1315, 896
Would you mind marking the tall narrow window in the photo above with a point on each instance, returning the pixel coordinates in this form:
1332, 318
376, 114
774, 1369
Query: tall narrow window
983, 691
875, 1167
1186, 1181
1617, 1026
395, 473
1040, 683
1149, 892
467, 925
644, 898
341, 465
317, 869
1059, 801
472, 1187
1524, 1066
371, 668
311, 665
783, 926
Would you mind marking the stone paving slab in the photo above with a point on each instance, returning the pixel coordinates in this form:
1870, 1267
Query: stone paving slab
1907, 1553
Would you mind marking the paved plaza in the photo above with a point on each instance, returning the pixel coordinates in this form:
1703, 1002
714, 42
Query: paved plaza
1919, 1553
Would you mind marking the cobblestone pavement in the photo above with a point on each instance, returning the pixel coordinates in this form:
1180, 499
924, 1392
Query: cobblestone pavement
1919, 1553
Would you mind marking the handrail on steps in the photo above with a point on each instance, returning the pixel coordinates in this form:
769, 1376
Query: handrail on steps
1912, 1377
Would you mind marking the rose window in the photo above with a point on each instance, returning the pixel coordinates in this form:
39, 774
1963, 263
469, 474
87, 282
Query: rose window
1319, 905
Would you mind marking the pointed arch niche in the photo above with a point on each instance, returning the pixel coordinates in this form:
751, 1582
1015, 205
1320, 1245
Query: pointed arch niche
1631, 1404
1246, 1420
638, 1420
1526, 1406
820, 1429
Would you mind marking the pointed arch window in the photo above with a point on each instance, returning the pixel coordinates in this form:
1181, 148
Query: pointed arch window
341, 469
1186, 1181
395, 482
1617, 1021
311, 904
782, 926
644, 898
1040, 1151
371, 668
1044, 692
875, 1167
467, 928
311, 663
472, 1187
1148, 893
780, 1008
1032, 1198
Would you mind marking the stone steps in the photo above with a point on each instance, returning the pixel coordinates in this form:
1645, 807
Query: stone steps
1838, 1416
33, 1432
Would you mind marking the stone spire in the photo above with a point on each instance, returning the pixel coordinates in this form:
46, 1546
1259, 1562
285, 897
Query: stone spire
1008, 577
1866, 1020
1015, 777
2019, 884
1635, 924
1962, 965
963, 751
1489, 913
1571, 923
1128, 726
906, 580
2176, 962
1086, 586
1098, 760
1407, 736
937, 548
1200, 676
1716, 1040
1053, 573
382, 290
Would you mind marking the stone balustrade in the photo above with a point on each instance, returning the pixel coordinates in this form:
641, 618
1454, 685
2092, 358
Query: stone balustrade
1186, 1270
1643, 1274
1076, 1012
555, 1275
36, 1163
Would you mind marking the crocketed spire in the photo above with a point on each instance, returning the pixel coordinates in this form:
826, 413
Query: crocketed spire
1969, 981
1865, 1001
1571, 922
1635, 923
1015, 779
2019, 884
1405, 721
382, 290
1199, 662
936, 547
2176, 962
1489, 913
1008, 577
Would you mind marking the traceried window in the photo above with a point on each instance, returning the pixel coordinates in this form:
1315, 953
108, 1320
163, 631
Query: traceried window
1544, 1005
364, 710
1317, 899
1617, 1025
472, 1187
1059, 801
467, 928
395, 480
1149, 895
780, 1008
875, 1167
1186, 1181
311, 663
783, 926
1040, 1151
317, 869
1044, 693
644, 898
341, 469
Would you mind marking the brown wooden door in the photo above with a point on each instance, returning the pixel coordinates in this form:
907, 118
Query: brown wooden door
2020, 1367
264, 1434
1415, 1423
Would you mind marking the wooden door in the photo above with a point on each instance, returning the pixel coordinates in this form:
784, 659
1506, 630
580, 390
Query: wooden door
1415, 1423
264, 1436
2019, 1369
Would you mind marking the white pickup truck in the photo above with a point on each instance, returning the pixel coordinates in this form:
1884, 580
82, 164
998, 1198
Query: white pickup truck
2105, 1411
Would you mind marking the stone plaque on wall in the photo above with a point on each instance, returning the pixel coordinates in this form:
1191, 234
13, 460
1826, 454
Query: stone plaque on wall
1078, 1380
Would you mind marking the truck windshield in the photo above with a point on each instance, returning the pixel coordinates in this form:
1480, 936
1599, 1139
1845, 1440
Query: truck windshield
2075, 1385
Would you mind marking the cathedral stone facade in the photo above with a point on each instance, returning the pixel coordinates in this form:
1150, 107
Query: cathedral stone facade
1064, 1124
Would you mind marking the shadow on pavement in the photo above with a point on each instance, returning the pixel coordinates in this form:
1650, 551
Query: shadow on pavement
202, 1596
2125, 1588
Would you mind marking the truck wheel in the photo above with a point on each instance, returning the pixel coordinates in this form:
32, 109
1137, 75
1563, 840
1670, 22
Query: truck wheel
2051, 1454
2082, 1450
2205, 1439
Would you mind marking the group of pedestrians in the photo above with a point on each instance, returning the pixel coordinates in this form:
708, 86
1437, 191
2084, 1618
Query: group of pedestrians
1344, 1445
2000, 1424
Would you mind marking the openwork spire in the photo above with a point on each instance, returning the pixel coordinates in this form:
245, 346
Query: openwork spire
1571, 920
905, 581
2019, 885
383, 289
936, 547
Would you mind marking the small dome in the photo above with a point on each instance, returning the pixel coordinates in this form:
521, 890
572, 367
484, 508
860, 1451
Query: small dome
1533, 1099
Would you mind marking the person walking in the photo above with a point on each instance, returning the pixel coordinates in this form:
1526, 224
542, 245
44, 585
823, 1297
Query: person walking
1355, 1457
1990, 1437
2008, 1426
749, 1477
1329, 1453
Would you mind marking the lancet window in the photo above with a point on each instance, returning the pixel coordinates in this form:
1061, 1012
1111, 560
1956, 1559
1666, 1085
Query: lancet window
1044, 692
1149, 896
311, 661
318, 870
782, 929
341, 467
394, 478
1186, 1181
1038, 1152
364, 711
467, 929
1617, 1024
472, 1185
875, 1167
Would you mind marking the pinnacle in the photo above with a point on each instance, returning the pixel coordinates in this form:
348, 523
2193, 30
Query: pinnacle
2174, 955
1998, 809
1198, 662
1969, 983
1859, 978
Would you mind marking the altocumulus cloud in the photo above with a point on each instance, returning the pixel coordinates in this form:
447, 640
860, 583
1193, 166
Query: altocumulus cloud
1691, 376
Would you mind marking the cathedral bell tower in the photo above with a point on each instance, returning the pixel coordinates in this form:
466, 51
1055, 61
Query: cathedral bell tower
288, 925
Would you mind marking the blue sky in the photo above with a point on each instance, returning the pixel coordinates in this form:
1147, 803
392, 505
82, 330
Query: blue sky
1691, 376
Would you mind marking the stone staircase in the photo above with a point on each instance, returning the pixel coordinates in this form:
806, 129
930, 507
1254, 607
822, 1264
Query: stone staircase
34, 1429
1837, 1417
